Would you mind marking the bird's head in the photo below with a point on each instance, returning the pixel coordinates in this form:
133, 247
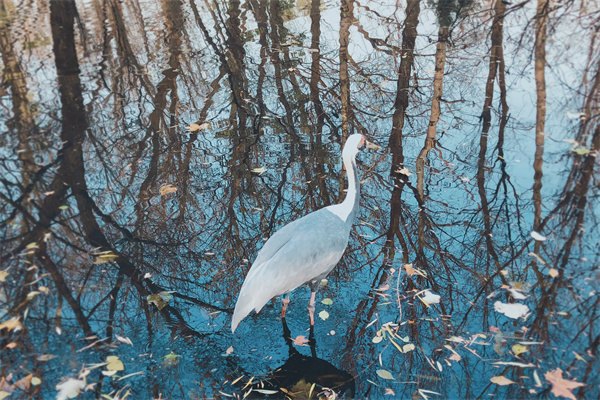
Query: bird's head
354, 144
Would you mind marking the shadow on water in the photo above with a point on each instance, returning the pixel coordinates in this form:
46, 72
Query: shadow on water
302, 376
148, 149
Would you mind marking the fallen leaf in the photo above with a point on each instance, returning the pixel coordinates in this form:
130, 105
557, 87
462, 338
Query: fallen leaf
514, 364
3, 275
501, 380
519, 349
3, 394
124, 340
229, 350
198, 127
12, 324
171, 359
11, 345
537, 236
113, 363
259, 170
166, 189
429, 298
105, 257
69, 389
404, 171
561, 387
516, 294
160, 300
390, 392
536, 378
327, 301
408, 347
582, 151
45, 357
32, 295
511, 310
35, 381
323, 315
265, 391
300, 341
385, 374
377, 339
553, 272
410, 270
24, 383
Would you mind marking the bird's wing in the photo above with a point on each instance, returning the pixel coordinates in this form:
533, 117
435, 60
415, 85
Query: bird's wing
301, 252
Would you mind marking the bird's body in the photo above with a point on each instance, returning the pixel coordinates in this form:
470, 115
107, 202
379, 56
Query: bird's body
303, 251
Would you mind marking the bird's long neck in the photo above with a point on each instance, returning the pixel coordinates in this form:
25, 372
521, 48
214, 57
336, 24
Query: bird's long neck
350, 203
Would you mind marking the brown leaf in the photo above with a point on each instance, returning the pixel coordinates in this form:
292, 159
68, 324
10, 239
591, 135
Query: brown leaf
24, 383
166, 189
413, 271
561, 387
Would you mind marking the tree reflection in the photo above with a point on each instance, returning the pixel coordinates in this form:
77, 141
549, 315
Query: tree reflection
151, 148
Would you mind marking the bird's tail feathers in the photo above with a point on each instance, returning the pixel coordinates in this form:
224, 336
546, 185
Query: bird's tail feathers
248, 300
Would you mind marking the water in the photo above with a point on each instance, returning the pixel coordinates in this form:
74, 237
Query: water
124, 234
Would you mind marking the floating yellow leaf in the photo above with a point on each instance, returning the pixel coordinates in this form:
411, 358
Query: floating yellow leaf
327, 301
501, 380
385, 374
114, 364
35, 381
105, 257
519, 349
3, 275
323, 315
582, 151
171, 359
553, 272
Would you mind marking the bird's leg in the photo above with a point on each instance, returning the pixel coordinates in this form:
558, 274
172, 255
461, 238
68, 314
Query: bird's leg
312, 341
311, 306
285, 300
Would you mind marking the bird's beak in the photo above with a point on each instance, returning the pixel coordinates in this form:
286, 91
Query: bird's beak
371, 146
